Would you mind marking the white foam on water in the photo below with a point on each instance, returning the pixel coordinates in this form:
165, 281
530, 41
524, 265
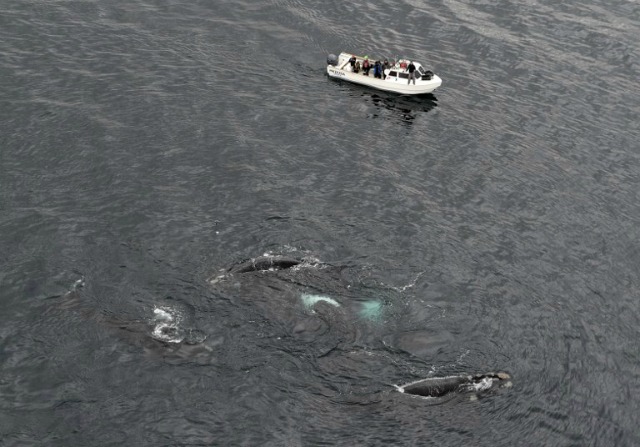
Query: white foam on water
167, 325
167, 332
78, 284
217, 279
484, 384
162, 314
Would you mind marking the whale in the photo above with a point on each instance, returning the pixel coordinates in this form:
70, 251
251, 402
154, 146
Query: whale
281, 270
442, 386
329, 308
165, 334
265, 263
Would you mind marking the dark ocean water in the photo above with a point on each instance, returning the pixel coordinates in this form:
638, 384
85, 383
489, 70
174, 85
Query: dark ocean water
148, 146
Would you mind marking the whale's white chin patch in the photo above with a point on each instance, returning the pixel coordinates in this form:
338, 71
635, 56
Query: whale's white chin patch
309, 300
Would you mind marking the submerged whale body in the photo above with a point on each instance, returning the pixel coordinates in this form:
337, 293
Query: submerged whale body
441, 386
166, 334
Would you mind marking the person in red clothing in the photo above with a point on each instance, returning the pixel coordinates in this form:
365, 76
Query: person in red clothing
366, 66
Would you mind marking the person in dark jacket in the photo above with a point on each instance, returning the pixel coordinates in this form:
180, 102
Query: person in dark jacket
352, 62
412, 73
385, 66
377, 70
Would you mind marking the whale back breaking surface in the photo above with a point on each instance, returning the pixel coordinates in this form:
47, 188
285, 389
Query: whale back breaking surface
435, 387
442, 386
265, 263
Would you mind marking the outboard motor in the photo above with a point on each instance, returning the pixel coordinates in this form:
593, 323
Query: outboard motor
427, 75
332, 59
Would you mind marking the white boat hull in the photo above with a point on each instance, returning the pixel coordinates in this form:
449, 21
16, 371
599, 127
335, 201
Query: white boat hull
395, 84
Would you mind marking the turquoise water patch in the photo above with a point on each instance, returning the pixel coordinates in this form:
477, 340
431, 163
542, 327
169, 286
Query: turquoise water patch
309, 300
371, 310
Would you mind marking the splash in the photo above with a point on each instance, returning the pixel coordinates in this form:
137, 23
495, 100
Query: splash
482, 385
166, 325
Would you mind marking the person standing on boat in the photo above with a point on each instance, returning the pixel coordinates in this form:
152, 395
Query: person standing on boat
366, 66
412, 73
352, 61
377, 70
385, 66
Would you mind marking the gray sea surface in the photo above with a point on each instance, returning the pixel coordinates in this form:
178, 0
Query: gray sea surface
147, 147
